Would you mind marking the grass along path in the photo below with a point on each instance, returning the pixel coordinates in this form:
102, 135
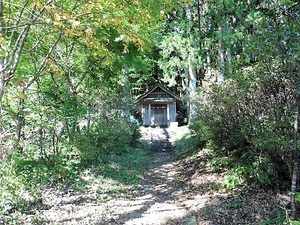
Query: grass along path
110, 183
170, 192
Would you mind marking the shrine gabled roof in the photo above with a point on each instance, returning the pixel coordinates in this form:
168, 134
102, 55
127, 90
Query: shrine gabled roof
153, 89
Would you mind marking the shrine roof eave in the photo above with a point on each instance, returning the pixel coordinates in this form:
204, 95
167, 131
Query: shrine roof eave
143, 96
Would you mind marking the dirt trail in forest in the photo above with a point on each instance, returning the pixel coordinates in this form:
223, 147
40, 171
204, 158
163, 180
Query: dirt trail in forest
159, 189
161, 198
158, 197
157, 200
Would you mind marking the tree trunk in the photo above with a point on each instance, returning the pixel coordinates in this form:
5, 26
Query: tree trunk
192, 90
295, 176
1, 16
88, 118
208, 61
75, 104
220, 77
192, 85
229, 63
228, 52
187, 91
54, 142
20, 125
125, 71
2, 86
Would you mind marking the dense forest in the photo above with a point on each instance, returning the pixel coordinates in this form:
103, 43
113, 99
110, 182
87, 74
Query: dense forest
70, 71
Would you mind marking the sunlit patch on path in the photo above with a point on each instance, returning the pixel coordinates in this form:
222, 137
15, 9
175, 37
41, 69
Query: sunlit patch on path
159, 199
160, 184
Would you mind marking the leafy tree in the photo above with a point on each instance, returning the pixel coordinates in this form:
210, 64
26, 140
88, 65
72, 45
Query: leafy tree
62, 80
181, 59
248, 80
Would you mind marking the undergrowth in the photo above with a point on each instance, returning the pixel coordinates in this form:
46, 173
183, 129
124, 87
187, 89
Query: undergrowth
24, 176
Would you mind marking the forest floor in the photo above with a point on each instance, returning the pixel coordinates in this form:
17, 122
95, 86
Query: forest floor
172, 191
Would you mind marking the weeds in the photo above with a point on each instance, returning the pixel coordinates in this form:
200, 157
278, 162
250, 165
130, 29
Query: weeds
111, 165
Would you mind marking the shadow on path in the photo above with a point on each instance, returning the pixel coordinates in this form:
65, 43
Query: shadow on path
157, 200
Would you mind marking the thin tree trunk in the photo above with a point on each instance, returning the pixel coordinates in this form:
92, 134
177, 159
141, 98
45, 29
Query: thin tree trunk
1, 15
191, 66
125, 71
220, 78
229, 58
192, 89
2, 86
187, 91
41, 142
54, 142
228, 52
73, 93
88, 118
295, 176
208, 74
20, 124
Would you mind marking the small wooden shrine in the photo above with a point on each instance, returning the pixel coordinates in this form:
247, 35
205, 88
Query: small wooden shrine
158, 107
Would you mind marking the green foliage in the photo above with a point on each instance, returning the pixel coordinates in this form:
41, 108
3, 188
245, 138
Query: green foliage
23, 178
10, 190
185, 146
41, 172
279, 220
232, 180
244, 126
107, 136
126, 168
294, 222
63, 93
117, 168
202, 131
297, 196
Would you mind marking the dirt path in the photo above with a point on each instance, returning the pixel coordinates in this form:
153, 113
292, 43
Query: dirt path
157, 200
158, 197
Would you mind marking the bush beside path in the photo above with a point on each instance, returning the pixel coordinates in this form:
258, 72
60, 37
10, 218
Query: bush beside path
172, 191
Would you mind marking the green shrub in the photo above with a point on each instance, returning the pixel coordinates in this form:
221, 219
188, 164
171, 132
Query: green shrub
251, 126
186, 145
11, 189
232, 180
107, 136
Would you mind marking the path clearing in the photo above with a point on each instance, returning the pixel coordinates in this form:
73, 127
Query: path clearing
158, 197
158, 200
